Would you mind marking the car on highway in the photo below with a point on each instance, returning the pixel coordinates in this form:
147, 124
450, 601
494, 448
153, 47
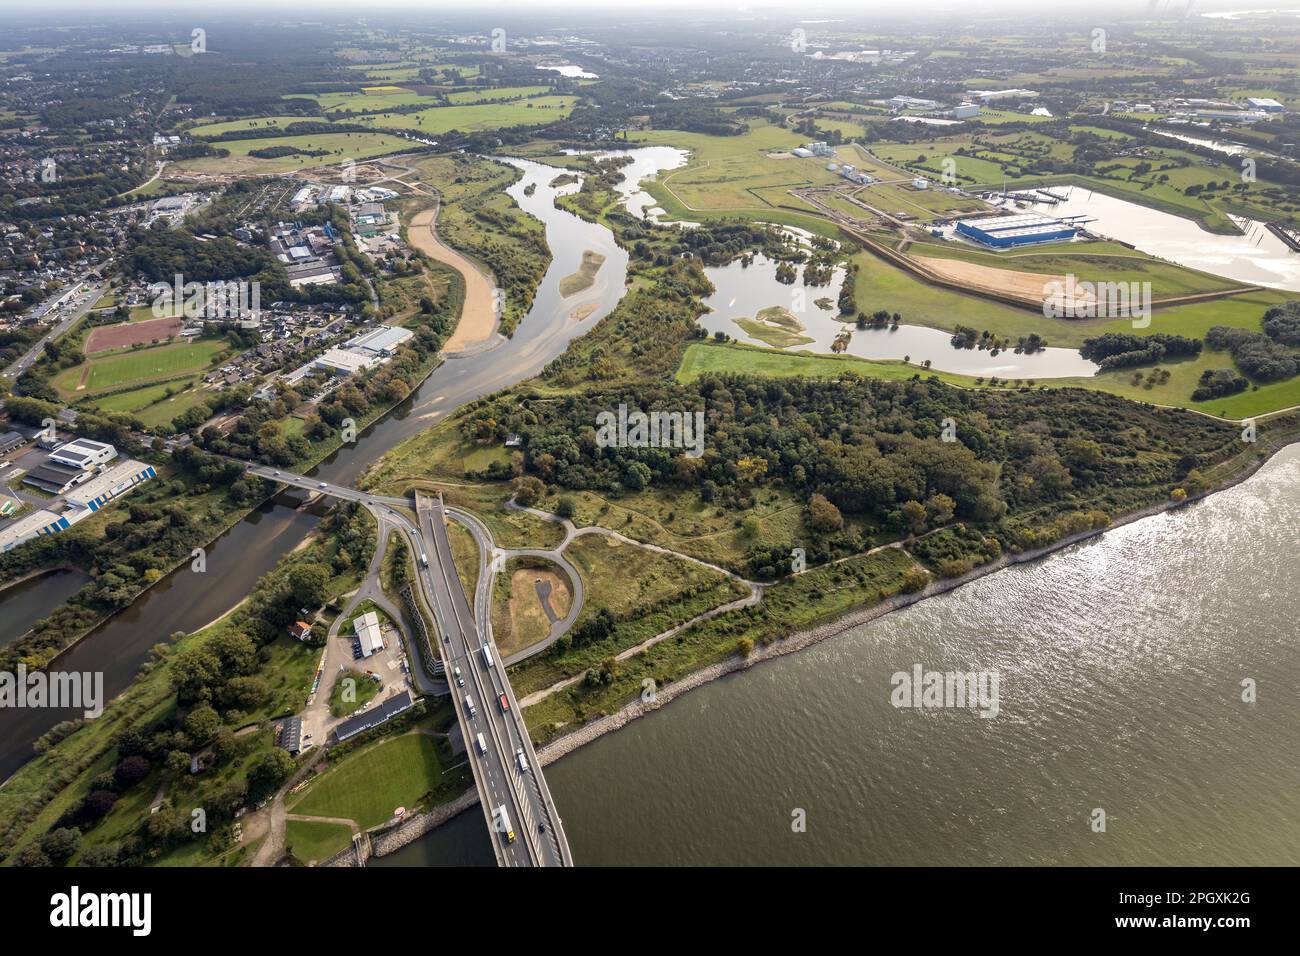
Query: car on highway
321, 484
504, 701
460, 678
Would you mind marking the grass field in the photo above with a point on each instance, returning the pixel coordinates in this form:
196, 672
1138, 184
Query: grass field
704, 358
647, 594
369, 785
141, 367
440, 119
311, 841
259, 122
338, 146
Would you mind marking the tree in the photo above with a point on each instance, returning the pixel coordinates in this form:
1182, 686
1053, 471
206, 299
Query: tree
267, 771
528, 490
201, 723
823, 515
914, 516
60, 844
636, 476
939, 508
751, 526
130, 771
309, 584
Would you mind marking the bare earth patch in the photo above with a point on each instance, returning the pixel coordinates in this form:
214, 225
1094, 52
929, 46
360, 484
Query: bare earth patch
1029, 286
529, 622
125, 334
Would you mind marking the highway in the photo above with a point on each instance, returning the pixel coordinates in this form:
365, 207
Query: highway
539, 836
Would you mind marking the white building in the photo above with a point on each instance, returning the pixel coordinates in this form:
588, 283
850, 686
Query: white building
989, 96
83, 453
367, 628
338, 361
114, 482
31, 526
382, 341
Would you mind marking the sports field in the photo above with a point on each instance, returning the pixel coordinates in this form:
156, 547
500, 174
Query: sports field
141, 367
106, 338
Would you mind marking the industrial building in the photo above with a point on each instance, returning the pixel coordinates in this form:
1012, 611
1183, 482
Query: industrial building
1265, 103
55, 478
338, 361
83, 453
30, 526
115, 481
990, 96
367, 628
911, 103
11, 440
1004, 232
374, 717
382, 341
965, 111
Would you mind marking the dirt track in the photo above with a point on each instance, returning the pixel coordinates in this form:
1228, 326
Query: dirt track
478, 319
107, 337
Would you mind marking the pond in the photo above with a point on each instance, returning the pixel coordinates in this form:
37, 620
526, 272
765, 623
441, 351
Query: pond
743, 292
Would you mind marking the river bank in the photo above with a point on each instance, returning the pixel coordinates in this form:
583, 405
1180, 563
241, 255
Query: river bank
800, 640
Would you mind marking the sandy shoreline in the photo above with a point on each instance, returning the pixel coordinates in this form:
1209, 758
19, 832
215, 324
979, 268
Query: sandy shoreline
478, 317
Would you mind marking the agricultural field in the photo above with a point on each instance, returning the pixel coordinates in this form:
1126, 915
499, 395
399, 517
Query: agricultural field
535, 111
216, 130
338, 147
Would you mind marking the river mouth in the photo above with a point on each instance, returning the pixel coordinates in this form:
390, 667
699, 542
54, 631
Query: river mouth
184, 601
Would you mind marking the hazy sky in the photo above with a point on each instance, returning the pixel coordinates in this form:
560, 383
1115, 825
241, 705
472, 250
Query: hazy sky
362, 8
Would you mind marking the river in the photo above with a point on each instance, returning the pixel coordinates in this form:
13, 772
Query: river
186, 602
29, 601
1120, 662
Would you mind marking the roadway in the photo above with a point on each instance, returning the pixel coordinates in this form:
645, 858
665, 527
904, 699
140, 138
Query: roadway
539, 836
79, 300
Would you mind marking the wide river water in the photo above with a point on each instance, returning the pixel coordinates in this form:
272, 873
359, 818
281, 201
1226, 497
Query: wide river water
1121, 663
